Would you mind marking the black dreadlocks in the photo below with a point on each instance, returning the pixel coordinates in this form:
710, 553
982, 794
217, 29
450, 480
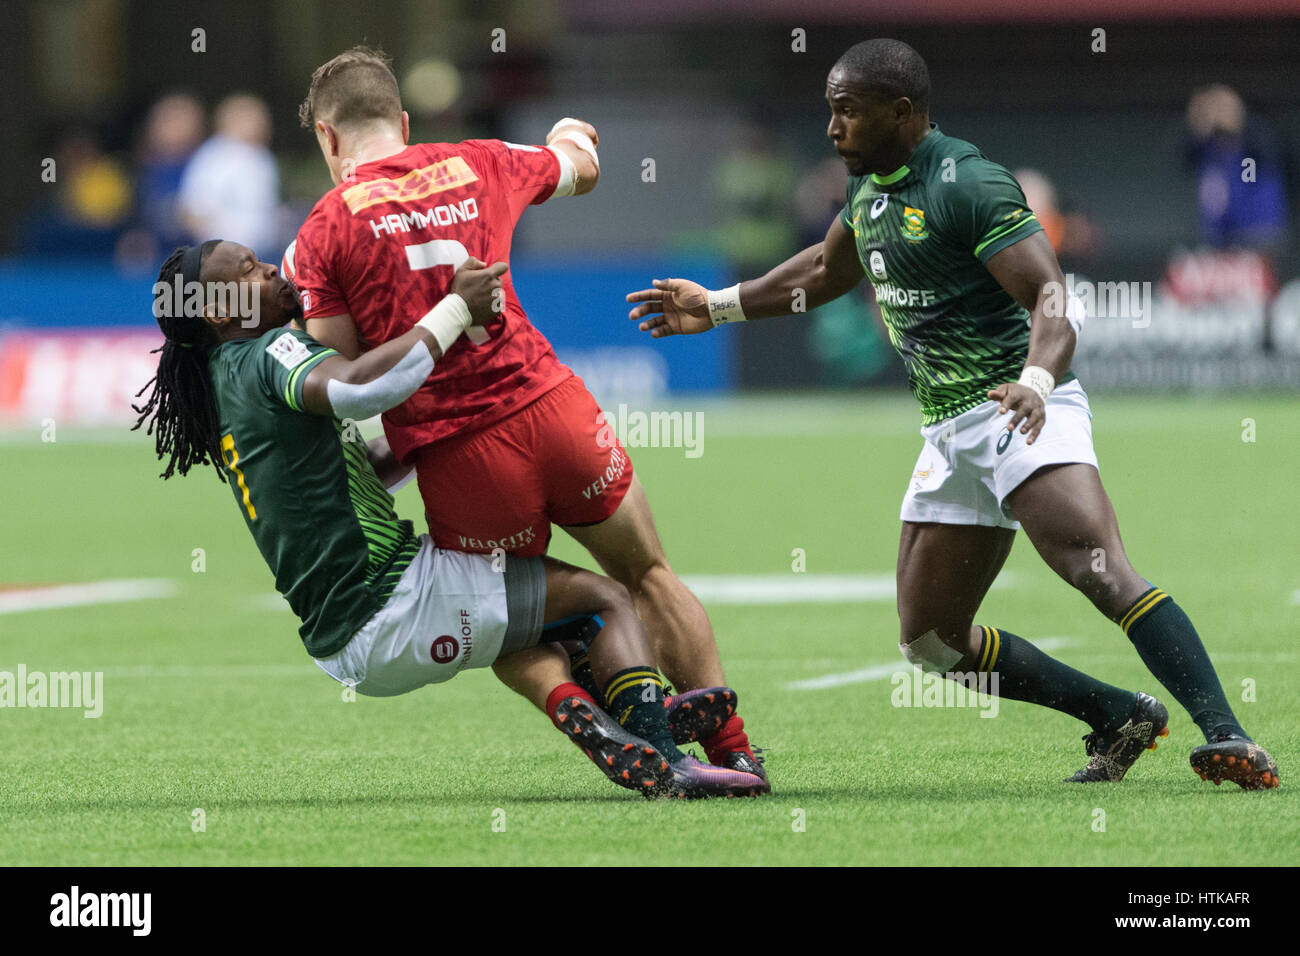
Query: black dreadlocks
182, 405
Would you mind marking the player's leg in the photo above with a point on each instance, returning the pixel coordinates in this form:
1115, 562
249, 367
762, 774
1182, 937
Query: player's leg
628, 549
534, 672
954, 483
595, 495
586, 606
944, 572
1070, 520
955, 539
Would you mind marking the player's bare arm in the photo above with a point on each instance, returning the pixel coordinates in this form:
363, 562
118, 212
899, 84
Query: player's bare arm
823, 272
339, 332
1030, 274
390, 471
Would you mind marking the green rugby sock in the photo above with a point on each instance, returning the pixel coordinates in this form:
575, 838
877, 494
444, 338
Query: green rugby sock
635, 698
1172, 651
1026, 673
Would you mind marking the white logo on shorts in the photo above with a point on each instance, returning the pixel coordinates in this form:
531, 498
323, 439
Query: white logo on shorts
445, 649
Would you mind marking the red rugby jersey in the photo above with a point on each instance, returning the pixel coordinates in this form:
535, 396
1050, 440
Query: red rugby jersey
383, 246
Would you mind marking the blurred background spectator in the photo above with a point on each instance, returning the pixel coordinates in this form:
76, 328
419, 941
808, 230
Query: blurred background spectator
172, 130
90, 203
1241, 170
1071, 234
231, 185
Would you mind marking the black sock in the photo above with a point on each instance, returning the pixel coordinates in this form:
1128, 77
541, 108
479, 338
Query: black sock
1026, 673
1172, 650
580, 666
635, 698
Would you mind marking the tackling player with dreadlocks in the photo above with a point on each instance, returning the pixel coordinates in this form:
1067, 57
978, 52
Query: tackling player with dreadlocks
382, 609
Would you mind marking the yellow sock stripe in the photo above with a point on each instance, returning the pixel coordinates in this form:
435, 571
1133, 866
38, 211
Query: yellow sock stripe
634, 679
1143, 606
997, 646
622, 718
578, 661
623, 681
988, 643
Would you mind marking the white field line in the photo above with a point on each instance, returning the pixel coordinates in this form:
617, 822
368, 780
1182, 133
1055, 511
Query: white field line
215, 670
1295, 596
79, 595
881, 671
791, 588
164, 671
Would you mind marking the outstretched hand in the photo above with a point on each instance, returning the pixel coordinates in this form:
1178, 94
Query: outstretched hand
1026, 405
674, 307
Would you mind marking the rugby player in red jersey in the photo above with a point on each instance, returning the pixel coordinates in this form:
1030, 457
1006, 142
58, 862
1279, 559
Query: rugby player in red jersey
505, 440
383, 610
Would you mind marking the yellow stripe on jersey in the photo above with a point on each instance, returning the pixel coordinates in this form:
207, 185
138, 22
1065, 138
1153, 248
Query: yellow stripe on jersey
1001, 231
298, 372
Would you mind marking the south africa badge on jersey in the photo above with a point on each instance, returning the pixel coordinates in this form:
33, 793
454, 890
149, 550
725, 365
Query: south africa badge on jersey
914, 224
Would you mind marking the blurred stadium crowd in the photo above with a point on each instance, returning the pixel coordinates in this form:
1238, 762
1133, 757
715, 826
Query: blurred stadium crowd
1144, 163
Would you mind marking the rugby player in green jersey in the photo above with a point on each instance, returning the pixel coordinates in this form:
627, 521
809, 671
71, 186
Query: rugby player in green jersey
974, 301
274, 412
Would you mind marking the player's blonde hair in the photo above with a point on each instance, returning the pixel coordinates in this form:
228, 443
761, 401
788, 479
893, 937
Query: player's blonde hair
354, 88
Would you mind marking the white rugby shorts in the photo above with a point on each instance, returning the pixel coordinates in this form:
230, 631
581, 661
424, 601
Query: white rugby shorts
971, 463
450, 611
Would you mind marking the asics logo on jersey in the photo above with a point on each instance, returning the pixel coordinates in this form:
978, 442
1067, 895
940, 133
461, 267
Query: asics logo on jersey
878, 206
1004, 441
417, 184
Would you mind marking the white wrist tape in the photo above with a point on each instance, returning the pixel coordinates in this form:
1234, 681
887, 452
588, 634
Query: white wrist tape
724, 305
578, 138
447, 320
568, 183
359, 402
1039, 379
560, 124
1075, 314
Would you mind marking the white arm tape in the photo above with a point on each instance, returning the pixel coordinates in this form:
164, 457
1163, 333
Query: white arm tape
579, 139
447, 320
359, 402
568, 174
1039, 379
1075, 314
724, 305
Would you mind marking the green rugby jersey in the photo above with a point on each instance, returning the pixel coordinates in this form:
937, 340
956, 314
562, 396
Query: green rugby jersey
924, 233
320, 515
